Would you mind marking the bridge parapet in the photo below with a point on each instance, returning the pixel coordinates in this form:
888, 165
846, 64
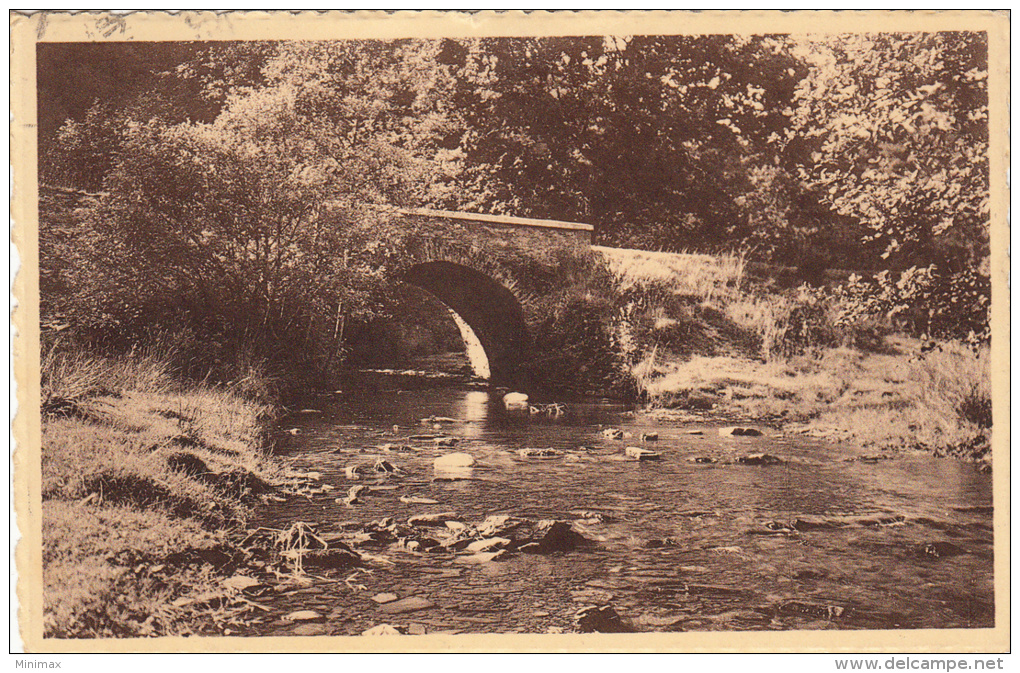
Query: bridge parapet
500, 226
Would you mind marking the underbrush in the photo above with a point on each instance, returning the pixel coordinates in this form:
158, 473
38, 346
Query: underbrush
798, 320
683, 306
75, 374
136, 466
577, 348
702, 336
77, 367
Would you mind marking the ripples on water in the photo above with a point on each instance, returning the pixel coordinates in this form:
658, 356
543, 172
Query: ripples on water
730, 563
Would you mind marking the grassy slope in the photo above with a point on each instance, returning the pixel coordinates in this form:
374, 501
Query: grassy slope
713, 340
141, 478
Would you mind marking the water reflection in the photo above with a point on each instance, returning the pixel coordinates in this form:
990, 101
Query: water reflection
473, 410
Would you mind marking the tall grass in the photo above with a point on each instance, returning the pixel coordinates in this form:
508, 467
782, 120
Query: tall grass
767, 317
73, 373
954, 406
955, 383
938, 402
252, 379
151, 463
802, 319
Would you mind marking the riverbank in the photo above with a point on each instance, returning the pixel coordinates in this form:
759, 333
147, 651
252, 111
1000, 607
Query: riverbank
146, 483
897, 399
151, 481
715, 336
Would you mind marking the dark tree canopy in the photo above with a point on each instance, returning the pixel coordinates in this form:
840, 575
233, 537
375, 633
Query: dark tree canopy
241, 170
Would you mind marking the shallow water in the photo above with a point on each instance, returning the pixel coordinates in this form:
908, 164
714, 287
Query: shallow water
732, 562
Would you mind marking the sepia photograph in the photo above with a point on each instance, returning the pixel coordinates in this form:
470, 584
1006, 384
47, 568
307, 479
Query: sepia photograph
578, 327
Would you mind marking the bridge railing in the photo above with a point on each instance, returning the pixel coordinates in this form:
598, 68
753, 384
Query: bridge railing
490, 219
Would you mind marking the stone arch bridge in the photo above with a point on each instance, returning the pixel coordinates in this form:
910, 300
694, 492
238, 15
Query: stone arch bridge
485, 268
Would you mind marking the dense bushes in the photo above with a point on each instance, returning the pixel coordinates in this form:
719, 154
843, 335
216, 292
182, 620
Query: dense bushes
247, 234
575, 320
922, 302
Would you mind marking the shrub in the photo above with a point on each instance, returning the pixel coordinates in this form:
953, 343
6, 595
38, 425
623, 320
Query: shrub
579, 331
925, 301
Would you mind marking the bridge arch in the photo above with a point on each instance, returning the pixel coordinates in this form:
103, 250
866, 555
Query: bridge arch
489, 308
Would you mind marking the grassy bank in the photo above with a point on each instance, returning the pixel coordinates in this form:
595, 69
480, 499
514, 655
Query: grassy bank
144, 480
885, 402
709, 338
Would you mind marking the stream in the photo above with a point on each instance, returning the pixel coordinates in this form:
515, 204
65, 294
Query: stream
822, 540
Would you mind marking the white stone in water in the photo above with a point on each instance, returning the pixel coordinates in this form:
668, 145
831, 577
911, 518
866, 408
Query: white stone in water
453, 461
434, 519
488, 544
303, 616
381, 630
516, 401
637, 453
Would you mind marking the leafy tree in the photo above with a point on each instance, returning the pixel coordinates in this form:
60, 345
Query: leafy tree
891, 130
653, 139
87, 91
254, 225
649, 138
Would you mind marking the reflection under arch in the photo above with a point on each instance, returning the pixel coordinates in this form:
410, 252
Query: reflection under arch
473, 348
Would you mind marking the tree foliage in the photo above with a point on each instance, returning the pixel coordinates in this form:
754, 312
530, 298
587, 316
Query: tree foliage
237, 179
256, 220
649, 138
891, 130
